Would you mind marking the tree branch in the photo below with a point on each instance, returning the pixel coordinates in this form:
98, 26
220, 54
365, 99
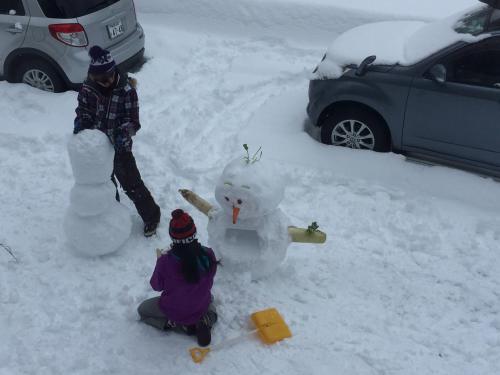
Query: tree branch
9, 250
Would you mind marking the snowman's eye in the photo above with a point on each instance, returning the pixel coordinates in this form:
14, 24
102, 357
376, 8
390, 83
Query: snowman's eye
240, 201
226, 198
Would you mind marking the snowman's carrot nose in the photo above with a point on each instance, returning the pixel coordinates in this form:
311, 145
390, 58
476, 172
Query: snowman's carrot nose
236, 212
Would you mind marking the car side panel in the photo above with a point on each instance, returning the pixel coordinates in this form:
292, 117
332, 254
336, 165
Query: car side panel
450, 160
385, 93
454, 119
11, 40
39, 38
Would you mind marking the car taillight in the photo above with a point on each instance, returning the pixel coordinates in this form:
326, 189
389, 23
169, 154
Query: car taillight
71, 34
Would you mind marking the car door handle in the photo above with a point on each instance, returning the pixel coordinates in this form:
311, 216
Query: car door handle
15, 29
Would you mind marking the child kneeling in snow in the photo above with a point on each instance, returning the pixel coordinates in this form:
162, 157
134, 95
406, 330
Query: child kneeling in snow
184, 275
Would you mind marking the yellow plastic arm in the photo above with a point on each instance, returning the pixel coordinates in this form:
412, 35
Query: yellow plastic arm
303, 236
197, 201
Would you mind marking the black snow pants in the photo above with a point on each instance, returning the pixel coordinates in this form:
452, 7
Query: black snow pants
127, 174
151, 314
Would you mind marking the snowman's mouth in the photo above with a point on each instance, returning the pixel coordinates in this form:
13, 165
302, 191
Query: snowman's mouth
242, 239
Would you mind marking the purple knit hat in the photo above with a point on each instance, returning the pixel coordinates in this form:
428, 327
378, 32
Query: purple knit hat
101, 61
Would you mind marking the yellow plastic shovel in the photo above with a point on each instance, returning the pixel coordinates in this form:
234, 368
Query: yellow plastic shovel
270, 327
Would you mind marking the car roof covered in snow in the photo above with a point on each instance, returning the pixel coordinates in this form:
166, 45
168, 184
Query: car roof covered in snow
398, 42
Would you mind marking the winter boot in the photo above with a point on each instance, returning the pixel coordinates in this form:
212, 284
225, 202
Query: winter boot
203, 334
204, 328
150, 229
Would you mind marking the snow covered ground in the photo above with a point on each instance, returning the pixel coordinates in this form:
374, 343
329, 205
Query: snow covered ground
309, 21
408, 282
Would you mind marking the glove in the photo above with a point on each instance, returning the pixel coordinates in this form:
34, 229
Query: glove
122, 140
77, 126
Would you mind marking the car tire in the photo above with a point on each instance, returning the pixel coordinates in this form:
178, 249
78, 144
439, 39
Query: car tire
356, 128
40, 74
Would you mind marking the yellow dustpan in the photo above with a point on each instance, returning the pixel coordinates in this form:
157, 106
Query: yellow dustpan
270, 327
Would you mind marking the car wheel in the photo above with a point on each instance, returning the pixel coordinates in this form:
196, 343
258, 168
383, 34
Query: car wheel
41, 75
356, 128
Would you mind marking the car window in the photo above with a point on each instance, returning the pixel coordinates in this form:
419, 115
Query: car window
6, 6
475, 22
479, 68
495, 21
72, 8
50, 9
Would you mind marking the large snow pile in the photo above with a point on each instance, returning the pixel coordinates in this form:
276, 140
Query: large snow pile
396, 42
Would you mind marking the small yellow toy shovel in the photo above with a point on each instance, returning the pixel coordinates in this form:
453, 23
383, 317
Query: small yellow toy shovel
271, 328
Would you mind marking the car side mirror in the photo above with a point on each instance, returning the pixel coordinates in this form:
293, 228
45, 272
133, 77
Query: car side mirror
361, 70
438, 73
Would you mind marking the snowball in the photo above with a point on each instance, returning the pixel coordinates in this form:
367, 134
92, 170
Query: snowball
98, 235
88, 200
91, 156
258, 186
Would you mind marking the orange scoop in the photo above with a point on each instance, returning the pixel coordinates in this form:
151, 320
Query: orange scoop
271, 328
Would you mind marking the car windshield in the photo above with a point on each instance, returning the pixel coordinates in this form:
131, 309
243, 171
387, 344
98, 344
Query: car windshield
72, 8
474, 22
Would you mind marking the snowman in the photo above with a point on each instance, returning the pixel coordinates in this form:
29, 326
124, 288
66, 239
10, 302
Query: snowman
95, 223
248, 230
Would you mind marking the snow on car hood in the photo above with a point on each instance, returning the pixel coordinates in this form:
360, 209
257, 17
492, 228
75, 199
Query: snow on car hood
393, 42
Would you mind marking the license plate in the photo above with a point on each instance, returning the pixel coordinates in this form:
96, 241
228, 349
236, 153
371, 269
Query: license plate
115, 29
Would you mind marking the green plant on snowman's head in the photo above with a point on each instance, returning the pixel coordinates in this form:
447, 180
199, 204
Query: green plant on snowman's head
252, 159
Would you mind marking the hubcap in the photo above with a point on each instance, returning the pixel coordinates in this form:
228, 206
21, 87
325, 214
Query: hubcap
353, 134
38, 79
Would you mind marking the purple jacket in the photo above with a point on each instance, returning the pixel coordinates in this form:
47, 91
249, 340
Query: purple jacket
180, 301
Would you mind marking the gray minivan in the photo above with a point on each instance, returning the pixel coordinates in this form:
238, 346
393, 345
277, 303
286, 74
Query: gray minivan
45, 43
444, 107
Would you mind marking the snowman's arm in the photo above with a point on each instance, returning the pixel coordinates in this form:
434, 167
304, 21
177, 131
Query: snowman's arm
197, 201
303, 236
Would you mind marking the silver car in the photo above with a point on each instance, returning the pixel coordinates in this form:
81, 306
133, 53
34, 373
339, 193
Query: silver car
45, 43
